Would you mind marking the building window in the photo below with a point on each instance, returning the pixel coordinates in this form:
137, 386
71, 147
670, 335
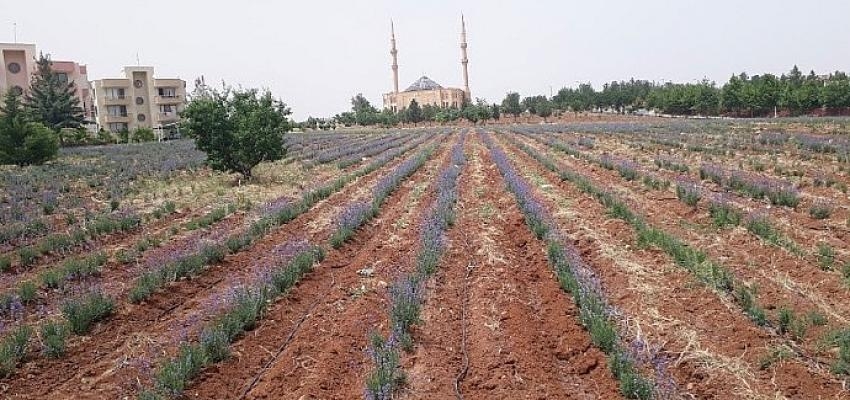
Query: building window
116, 111
114, 93
14, 67
62, 77
167, 92
118, 127
138, 83
17, 90
141, 117
140, 101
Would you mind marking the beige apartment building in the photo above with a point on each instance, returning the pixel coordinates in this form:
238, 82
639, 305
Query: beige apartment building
424, 90
18, 60
139, 100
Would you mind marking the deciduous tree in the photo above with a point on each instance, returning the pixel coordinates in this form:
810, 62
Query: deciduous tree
238, 128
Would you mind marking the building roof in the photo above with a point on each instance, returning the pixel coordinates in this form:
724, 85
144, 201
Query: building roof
423, 83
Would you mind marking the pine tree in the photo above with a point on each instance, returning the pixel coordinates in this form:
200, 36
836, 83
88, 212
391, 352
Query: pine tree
23, 142
52, 100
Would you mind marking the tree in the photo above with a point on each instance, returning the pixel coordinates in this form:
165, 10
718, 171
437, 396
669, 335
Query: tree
511, 105
543, 108
429, 112
388, 117
447, 115
413, 113
143, 135
495, 111
23, 142
52, 100
345, 118
364, 113
835, 93
531, 103
471, 114
483, 109
732, 95
238, 128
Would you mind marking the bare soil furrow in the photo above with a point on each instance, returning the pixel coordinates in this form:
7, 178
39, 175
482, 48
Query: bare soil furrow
134, 339
716, 351
350, 285
524, 338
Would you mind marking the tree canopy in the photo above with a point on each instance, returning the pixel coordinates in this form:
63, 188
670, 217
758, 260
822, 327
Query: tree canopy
237, 128
22, 141
52, 98
511, 104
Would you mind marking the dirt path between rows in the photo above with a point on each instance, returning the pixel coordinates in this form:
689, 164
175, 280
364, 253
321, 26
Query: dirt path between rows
781, 279
119, 354
524, 340
716, 347
312, 342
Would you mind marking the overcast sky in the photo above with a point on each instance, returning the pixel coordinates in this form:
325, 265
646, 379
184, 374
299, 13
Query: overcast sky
316, 54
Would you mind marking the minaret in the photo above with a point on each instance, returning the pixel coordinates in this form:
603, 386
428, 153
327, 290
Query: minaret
394, 53
463, 59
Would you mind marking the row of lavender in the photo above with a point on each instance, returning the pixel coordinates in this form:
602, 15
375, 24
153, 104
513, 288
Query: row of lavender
188, 257
708, 136
66, 185
785, 325
604, 323
82, 189
242, 311
345, 153
707, 141
298, 143
206, 252
406, 294
307, 146
722, 208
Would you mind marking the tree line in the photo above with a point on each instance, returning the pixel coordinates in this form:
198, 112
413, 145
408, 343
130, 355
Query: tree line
792, 94
742, 96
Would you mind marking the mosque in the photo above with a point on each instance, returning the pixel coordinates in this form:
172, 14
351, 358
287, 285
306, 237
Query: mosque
425, 90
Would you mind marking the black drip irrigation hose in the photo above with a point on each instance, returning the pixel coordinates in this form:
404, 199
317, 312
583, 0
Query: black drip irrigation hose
288, 340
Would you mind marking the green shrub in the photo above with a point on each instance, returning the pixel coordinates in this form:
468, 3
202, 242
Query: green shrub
724, 214
5, 263
83, 312
52, 278
820, 210
13, 348
23, 142
143, 135
28, 255
54, 334
688, 193
826, 256
173, 376
27, 291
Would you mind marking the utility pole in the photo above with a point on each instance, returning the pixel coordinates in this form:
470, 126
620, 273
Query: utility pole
15, 32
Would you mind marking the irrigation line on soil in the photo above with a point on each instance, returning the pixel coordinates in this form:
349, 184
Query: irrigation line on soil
800, 353
288, 340
463, 302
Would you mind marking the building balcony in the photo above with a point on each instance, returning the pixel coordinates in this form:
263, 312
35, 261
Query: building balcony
168, 116
117, 118
175, 99
116, 100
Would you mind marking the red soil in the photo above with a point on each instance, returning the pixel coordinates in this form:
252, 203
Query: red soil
523, 338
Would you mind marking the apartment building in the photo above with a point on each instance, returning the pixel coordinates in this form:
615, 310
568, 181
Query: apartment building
18, 66
69, 71
139, 100
18, 60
